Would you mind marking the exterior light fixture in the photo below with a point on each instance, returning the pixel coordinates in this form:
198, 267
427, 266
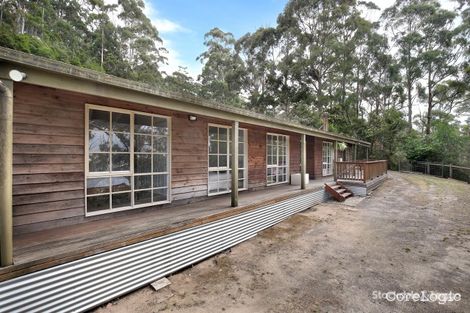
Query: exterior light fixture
192, 118
16, 75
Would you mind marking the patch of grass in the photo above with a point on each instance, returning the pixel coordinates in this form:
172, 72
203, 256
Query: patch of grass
407, 250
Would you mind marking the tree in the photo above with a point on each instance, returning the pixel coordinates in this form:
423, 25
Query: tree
221, 76
180, 81
403, 19
439, 55
258, 51
141, 42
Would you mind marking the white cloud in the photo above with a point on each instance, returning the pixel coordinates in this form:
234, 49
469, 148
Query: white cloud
167, 26
163, 25
174, 61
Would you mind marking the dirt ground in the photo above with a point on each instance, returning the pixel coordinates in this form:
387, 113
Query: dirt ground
412, 234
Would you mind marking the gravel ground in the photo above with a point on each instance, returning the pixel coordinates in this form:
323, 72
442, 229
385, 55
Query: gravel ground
411, 234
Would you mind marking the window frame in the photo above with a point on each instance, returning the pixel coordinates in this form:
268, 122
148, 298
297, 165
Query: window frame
277, 157
110, 174
245, 161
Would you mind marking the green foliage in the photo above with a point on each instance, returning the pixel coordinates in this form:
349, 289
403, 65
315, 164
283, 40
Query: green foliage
221, 74
446, 143
81, 33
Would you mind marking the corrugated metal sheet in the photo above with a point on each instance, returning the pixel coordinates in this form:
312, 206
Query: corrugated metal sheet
89, 282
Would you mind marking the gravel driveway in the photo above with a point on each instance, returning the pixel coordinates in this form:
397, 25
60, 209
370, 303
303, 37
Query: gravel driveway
411, 235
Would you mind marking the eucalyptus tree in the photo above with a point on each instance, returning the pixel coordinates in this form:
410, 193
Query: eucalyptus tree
463, 39
104, 32
324, 39
259, 52
222, 71
402, 19
380, 83
181, 81
440, 55
310, 30
143, 46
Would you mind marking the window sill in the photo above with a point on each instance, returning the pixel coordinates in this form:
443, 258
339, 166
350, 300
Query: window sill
139, 206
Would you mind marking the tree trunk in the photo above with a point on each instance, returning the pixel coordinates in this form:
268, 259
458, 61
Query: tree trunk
102, 46
410, 104
429, 114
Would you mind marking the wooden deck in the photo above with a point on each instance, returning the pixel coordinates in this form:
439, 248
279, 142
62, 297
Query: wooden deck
43, 249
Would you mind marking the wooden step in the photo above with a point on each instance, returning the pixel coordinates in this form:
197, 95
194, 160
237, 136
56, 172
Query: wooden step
346, 194
338, 192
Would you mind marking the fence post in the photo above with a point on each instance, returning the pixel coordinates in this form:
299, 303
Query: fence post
450, 170
399, 162
442, 169
428, 168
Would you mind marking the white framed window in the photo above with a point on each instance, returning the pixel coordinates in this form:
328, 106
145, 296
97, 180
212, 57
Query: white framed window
220, 176
328, 156
277, 159
127, 160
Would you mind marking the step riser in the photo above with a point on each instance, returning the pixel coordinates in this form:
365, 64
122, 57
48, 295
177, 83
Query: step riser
338, 192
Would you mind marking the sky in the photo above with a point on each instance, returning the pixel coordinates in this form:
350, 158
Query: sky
183, 23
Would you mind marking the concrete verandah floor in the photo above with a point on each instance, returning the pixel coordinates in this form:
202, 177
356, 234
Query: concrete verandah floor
50, 247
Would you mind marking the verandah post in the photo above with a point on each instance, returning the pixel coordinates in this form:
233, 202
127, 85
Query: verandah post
303, 159
234, 163
6, 173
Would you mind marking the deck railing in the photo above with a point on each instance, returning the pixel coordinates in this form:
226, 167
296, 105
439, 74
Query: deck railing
360, 170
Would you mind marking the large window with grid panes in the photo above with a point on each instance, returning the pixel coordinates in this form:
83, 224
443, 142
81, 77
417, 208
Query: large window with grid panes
220, 162
277, 159
127, 160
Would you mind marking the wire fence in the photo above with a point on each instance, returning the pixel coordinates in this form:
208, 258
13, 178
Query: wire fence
436, 169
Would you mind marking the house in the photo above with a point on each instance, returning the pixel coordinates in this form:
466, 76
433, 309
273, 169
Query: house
100, 175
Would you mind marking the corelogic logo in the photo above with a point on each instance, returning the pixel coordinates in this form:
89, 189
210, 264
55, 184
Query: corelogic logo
423, 296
